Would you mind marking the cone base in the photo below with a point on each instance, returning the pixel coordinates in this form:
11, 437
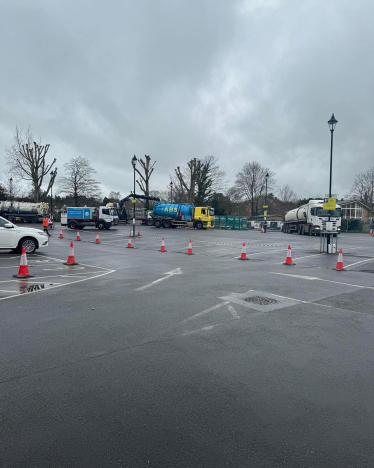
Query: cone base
162, 250
240, 258
97, 242
67, 263
129, 247
60, 237
77, 240
23, 276
290, 264
189, 253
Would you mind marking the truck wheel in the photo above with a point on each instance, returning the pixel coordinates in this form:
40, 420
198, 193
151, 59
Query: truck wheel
101, 225
158, 223
72, 225
29, 243
199, 225
166, 223
150, 222
34, 219
12, 219
310, 232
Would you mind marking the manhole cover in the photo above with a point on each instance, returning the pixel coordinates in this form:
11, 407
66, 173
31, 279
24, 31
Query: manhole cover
260, 300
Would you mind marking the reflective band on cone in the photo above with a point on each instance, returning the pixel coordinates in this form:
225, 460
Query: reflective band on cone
61, 236
189, 250
289, 257
23, 271
78, 236
244, 253
339, 263
71, 258
162, 246
129, 245
97, 240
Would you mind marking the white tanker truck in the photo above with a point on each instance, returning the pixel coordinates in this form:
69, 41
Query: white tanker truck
23, 211
311, 219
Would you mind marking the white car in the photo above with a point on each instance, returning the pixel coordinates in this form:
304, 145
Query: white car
13, 237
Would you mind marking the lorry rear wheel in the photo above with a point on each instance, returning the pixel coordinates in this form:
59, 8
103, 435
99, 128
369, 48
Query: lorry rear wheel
150, 222
158, 223
199, 225
100, 226
166, 223
34, 219
72, 225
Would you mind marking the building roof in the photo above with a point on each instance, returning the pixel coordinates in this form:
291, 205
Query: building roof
347, 201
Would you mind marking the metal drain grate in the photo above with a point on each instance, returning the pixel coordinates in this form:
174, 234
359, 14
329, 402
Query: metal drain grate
261, 300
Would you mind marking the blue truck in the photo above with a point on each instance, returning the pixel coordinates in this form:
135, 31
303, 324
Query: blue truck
99, 217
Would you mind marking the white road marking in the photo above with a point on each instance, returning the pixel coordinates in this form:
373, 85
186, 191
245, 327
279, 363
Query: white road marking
299, 258
60, 285
362, 261
233, 312
169, 274
206, 311
326, 281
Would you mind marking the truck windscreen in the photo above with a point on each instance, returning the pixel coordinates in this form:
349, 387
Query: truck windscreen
211, 211
333, 213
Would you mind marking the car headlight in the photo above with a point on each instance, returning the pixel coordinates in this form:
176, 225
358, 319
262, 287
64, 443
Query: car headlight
43, 234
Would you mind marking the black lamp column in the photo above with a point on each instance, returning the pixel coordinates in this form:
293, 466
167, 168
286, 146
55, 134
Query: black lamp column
133, 161
332, 124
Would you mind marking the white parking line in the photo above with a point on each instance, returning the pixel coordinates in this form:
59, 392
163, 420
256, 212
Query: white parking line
310, 278
362, 261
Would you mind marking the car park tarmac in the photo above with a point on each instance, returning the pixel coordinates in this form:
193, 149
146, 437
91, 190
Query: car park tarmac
140, 358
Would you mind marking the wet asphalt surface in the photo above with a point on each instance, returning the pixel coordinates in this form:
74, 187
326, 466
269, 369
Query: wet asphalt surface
137, 358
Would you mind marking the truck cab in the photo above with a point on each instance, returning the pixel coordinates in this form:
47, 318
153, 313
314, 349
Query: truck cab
205, 215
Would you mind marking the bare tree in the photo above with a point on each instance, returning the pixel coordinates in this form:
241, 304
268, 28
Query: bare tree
115, 196
210, 179
250, 184
148, 168
27, 160
363, 188
288, 198
78, 181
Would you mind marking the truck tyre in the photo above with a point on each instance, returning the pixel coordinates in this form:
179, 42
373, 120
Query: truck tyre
310, 232
158, 223
100, 225
199, 225
72, 225
166, 223
29, 243
150, 222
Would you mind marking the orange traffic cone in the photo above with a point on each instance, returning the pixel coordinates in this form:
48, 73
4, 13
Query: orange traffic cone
129, 245
162, 246
78, 236
289, 257
339, 263
189, 250
244, 253
71, 258
262, 230
138, 234
97, 240
61, 236
23, 271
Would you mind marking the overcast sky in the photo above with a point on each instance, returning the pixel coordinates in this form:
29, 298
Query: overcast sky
240, 79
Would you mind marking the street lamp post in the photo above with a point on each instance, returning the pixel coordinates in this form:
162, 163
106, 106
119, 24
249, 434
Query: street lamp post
171, 192
332, 124
133, 161
11, 189
51, 199
266, 200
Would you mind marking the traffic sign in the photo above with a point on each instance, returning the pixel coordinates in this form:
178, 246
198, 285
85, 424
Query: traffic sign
133, 201
265, 213
329, 204
265, 206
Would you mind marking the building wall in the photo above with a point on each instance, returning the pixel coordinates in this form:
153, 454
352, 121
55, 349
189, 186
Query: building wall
355, 210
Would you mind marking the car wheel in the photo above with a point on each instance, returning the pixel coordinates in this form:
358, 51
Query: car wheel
199, 225
101, 226
166, 223
29, 243
158, 223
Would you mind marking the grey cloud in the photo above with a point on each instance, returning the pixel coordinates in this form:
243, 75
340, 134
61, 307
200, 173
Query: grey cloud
177, 79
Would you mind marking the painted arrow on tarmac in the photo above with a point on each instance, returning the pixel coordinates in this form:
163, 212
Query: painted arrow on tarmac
169, 274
